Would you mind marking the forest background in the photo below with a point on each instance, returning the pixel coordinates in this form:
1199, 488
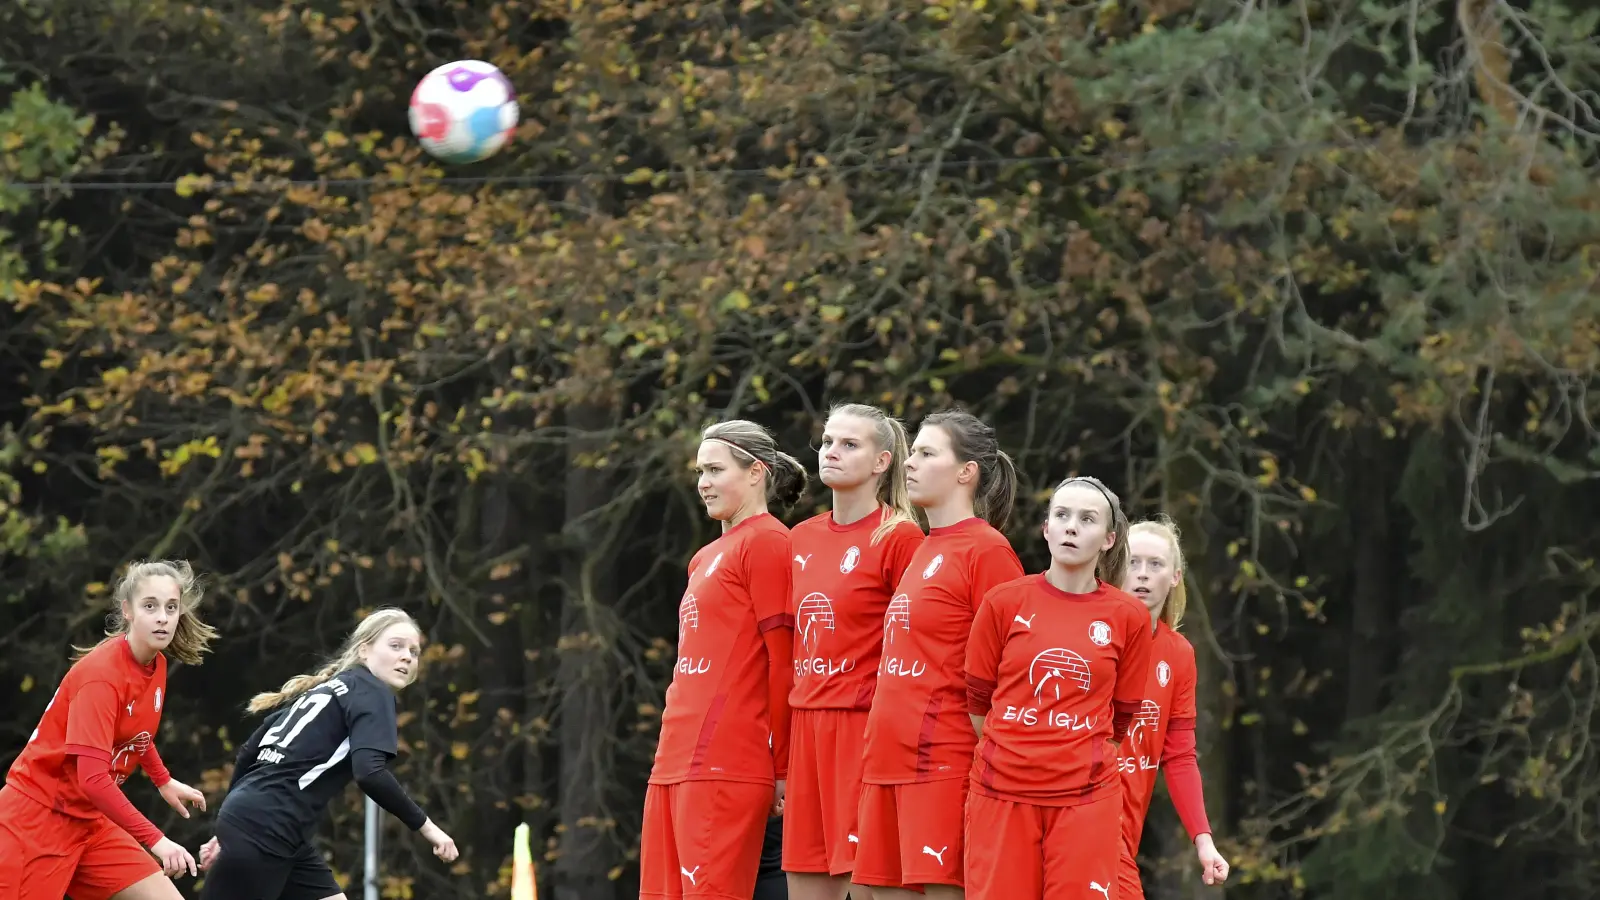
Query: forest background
1316, 277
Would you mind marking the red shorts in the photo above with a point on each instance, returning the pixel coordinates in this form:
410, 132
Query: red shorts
702, 839
1018, 851
911, 834
824, 791
1129, 887
45, 854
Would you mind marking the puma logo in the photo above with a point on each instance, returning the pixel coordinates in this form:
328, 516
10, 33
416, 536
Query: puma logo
802, 560
689, 874
1097, 886
939, 854
130, 707
1028, 622
854, 839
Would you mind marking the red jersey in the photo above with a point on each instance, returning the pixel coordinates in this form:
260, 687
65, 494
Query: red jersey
1168, 705
918, 728
716, 725
1061, 667
108, 706
842, 585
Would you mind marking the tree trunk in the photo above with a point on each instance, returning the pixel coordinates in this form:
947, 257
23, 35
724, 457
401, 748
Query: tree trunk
583, 674
1373, 603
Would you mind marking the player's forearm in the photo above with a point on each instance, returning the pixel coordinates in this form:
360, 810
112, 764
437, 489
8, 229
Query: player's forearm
94, 779
154, 767
1182, 769
376, 781
780, 680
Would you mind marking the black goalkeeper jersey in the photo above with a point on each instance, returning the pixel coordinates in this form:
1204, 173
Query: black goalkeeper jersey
299, 759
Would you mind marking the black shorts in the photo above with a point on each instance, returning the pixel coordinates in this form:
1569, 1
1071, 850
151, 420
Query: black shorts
771, 883
243, 871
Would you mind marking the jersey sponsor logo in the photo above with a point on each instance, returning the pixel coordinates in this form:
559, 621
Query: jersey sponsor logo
1055, 668
1163, 673
1026, 623
814, 617
716, 561
1139, 755
802, 560
897, 618
688, 615
1099, 633
933, 566
897, 621
852, 558
689, 620
158, 699
128, 755
1051, 672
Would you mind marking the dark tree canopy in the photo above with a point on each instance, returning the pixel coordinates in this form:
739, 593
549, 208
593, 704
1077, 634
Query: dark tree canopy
1316, 278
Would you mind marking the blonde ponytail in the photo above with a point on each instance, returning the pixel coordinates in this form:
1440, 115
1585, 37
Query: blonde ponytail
349, 656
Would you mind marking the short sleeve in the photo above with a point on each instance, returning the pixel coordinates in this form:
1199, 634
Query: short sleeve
903, 542
370, 716
769, 576
1133, 668
993, 566
987, 639
92, 718
1183, 700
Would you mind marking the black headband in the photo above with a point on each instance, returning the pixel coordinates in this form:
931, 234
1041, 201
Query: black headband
1084, 479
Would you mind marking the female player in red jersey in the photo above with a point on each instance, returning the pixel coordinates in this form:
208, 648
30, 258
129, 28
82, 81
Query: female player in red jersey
919, 741
724, 750
1056, 669
65, 825
847, 564
1162, 735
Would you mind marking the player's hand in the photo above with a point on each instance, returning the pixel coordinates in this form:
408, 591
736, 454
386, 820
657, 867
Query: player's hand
1213, 868
777, 796
174, 859
208, 853
180, 797
444, 846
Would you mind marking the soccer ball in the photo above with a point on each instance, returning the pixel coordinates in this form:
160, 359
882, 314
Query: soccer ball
463, 111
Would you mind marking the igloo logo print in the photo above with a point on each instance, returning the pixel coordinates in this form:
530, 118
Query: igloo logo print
1055, 668
1057, 675
689, 623
688, 616
814, 616
814, 619
897, 624
1136, 756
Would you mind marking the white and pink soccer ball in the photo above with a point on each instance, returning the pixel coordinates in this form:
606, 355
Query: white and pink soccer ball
463, 111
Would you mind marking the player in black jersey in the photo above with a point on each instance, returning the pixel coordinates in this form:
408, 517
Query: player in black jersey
340, 725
